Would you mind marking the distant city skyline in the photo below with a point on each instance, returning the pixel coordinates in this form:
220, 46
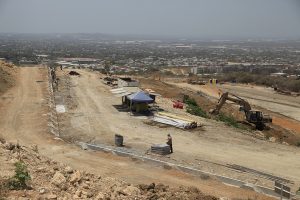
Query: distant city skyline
213, 19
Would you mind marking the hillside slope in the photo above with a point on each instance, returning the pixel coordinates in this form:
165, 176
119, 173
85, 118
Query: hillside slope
7, 72
53, 180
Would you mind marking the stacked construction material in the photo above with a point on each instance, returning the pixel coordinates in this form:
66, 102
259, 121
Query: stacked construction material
162, 149
174, 120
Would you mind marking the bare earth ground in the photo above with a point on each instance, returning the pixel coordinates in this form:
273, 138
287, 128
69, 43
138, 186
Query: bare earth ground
95, 119
53, 180
277, 105
23, 118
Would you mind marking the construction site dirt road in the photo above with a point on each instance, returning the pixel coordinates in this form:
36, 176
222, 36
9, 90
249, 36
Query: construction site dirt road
92, 117
23, 118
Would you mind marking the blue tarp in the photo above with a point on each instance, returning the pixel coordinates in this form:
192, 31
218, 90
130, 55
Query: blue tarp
140, 97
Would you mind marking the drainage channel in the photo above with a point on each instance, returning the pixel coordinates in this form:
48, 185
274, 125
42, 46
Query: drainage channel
186, 169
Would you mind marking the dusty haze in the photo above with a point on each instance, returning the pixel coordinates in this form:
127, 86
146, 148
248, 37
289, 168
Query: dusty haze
192, 18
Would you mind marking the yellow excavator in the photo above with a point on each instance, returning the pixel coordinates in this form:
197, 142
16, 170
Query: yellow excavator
252, 116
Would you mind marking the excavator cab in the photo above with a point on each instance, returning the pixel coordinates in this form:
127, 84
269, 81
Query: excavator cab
254, 116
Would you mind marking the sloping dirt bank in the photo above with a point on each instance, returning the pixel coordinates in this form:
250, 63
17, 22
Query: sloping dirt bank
53, 180
7, 76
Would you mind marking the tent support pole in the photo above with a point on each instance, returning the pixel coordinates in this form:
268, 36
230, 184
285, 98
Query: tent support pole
130, 107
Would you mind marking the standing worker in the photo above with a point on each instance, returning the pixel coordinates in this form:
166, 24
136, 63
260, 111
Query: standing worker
169, 142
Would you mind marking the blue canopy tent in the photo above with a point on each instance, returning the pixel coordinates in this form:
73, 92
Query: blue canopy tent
139, 97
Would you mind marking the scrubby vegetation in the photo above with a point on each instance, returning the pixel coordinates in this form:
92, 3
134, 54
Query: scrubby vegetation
20, 178
228, 120
290, 84
193, 108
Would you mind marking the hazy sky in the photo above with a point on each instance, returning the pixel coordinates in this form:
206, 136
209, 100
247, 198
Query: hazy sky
183, 18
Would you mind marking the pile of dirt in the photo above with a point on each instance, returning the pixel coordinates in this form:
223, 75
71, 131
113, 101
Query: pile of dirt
7, 72
53, 180
164, 89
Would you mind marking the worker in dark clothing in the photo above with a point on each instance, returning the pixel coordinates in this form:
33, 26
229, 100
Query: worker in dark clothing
169, 142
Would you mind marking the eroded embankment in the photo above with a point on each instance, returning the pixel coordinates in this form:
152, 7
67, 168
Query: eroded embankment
53, 180
7, 76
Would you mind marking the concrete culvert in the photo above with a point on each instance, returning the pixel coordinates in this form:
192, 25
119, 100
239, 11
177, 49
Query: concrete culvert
162, 149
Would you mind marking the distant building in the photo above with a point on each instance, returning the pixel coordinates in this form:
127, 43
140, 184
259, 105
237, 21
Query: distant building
279, 74
27, 62
195, 70
205, 69
80, 60
42, 55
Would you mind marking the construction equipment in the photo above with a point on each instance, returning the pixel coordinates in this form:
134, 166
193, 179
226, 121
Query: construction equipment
177, 104
252, 116
195, 82
285, 92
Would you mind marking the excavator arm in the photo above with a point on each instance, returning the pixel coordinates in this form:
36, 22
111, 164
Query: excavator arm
225, 96
220, 104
